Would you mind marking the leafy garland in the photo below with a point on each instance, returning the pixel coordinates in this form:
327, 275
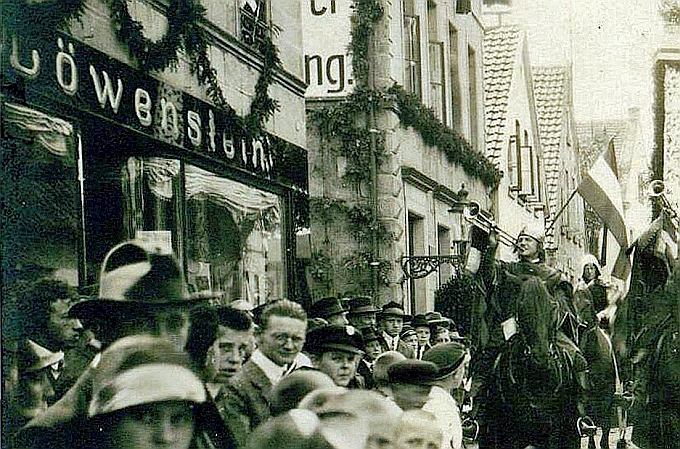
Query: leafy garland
670, 11
344, 123
184, 33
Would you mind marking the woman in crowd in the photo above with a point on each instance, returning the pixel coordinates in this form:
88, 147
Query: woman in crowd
145, 395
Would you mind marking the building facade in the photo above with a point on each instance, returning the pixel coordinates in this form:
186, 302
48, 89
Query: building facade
101, 144
513, 140
433, 52
565, 238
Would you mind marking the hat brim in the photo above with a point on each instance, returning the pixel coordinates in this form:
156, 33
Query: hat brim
101, 308
338, 347
363, 311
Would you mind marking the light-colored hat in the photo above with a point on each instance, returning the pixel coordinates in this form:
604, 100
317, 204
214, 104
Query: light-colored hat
140, 370
534, 231
133, 277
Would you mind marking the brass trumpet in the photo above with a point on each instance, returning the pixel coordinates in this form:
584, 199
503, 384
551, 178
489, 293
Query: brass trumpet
657, 191
473, 214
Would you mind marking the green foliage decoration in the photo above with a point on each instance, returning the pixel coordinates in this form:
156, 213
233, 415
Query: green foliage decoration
185, 33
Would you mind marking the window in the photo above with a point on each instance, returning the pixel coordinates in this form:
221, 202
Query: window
444, 243
456, 113
416, 247
41, 220
436, 53
474, 112
254, 22
463, 6
513, 169
412, 63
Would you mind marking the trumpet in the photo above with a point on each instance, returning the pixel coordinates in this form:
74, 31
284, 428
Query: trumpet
657, 192
473, 214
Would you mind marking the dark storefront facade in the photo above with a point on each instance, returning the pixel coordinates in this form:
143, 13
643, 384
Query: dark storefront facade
95, 152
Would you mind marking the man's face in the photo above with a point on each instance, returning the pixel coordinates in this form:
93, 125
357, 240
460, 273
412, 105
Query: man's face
363, 320
62, 328
410, 397
155, 425
230, 351
373, 349
423, 334
419, 434
338, 318
283, 339
392, 325
443, 335
589, 272
340, 366
527, 247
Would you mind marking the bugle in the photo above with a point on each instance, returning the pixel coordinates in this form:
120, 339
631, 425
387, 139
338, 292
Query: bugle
657, 192
473, 214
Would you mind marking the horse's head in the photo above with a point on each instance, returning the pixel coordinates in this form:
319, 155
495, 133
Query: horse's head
536, 314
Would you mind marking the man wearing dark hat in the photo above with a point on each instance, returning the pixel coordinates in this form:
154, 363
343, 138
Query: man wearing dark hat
336, 350
391, 321
331, 310
451, 360
422, 328
411, 382
373, 346
141, 292
361, 312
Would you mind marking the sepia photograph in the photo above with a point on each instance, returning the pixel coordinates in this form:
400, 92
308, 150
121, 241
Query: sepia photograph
340, 224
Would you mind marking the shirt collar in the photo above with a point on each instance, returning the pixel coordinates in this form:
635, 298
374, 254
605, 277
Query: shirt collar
273, 371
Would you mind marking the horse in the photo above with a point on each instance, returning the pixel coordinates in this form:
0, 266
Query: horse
655, 357
537, 381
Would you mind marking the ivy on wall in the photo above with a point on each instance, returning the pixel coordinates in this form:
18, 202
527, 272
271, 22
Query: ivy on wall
345, 124
185, 33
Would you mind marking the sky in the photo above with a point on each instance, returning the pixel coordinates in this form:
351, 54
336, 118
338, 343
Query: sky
611, 44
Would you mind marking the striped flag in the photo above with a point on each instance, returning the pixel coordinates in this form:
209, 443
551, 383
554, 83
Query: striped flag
600, 188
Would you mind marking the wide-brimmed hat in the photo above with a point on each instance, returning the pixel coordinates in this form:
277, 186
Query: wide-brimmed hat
359, 305
141, 370
370, 334
326, 307
132, 278
437, 319
419, 320
393, 309
334, 337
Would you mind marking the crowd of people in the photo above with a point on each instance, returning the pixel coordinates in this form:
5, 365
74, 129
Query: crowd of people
144, 364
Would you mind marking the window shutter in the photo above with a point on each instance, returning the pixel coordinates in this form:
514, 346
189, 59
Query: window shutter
526, 186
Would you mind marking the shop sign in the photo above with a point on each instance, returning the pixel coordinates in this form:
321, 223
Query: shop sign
68, 72
326, 37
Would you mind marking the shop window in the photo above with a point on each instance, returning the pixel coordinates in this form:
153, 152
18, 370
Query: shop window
412, 60
41, 229
254, 22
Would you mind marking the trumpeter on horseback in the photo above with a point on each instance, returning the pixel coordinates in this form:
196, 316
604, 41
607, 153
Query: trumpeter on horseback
532, 373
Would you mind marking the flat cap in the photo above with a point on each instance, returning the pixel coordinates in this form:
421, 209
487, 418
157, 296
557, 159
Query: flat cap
412, 372
334, 337
447, 356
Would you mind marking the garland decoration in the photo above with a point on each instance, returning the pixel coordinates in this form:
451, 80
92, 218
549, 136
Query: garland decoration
185, 33
41, 16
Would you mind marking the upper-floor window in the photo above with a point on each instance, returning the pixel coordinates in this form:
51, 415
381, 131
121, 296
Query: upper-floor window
412, 59
254, 21
456, 112
463, 6
474, 111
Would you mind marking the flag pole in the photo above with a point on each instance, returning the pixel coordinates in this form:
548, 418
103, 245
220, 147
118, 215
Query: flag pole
559, 213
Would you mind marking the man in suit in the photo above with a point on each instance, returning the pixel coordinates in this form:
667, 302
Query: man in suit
422, 328
391, 321
245, 401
